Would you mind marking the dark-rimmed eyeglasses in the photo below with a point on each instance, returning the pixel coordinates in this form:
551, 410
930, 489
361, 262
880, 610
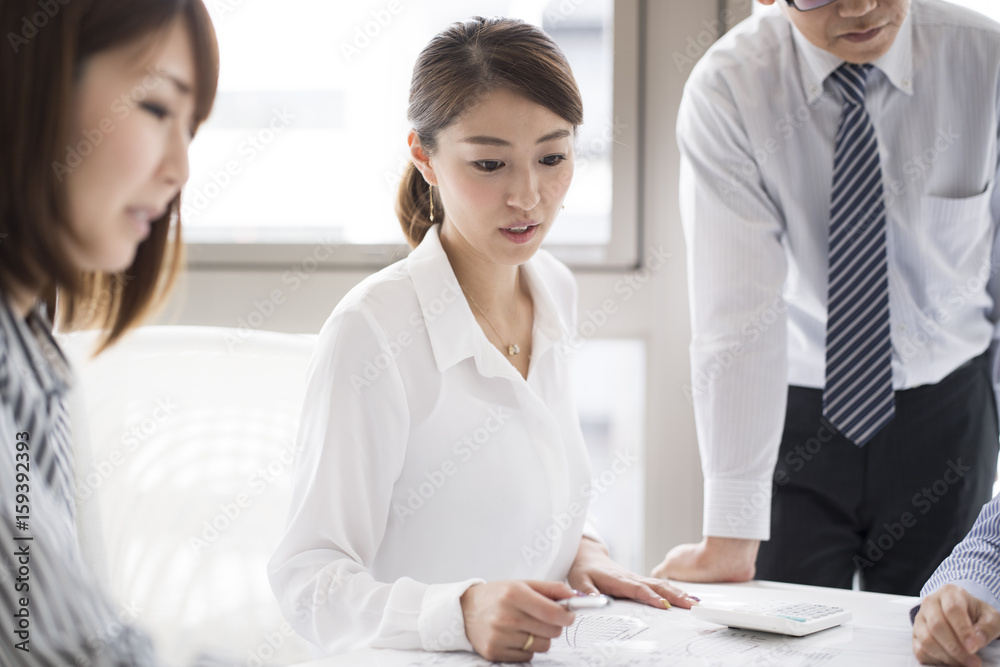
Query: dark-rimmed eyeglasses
806, 5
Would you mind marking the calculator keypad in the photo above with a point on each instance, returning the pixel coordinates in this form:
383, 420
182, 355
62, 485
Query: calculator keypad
801, 612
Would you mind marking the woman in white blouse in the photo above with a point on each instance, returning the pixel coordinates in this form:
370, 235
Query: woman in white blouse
442, 490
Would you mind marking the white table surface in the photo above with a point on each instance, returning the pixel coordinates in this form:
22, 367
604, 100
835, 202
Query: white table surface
878, 636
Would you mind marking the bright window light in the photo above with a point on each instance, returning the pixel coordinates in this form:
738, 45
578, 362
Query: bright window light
308, 136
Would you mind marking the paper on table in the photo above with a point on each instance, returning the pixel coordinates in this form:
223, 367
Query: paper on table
598, 629
879, 636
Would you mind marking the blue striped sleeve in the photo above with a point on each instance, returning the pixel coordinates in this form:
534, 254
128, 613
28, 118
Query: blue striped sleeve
975, 563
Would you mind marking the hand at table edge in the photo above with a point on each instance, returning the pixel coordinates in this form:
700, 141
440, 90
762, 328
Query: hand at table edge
510, 621
953, 625
713, 560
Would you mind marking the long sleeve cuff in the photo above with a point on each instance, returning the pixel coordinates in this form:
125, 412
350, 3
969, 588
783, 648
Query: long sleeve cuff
442, 624
973, 588
738, 508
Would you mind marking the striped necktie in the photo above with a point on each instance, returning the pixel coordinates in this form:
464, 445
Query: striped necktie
858, 396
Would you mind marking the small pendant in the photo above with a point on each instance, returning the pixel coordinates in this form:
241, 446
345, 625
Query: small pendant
513, 349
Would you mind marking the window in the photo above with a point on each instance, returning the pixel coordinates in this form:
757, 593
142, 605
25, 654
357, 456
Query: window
307, 141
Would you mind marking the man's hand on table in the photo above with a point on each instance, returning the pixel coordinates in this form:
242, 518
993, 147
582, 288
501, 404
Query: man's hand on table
952, 626
714, 559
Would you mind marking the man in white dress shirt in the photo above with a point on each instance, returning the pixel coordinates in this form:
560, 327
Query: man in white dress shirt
839, 203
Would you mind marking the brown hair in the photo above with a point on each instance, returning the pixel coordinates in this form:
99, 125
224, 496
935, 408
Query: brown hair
461, 64
46, 46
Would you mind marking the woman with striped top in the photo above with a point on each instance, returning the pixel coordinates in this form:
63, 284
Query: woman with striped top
99, 101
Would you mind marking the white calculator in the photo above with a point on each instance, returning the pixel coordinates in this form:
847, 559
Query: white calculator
786, 618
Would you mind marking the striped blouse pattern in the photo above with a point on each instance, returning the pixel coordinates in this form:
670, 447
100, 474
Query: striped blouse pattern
975, 563
69, 621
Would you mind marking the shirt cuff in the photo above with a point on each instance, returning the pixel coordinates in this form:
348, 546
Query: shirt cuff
975, 589
442, 624
738, 508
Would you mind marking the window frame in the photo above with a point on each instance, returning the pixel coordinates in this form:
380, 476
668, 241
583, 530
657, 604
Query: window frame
621, 251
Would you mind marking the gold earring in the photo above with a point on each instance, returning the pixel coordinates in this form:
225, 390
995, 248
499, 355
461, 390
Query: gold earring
430, 194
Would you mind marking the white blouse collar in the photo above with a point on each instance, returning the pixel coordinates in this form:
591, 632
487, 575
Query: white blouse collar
453, 331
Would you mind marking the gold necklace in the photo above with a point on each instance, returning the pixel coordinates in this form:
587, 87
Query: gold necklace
512, 348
